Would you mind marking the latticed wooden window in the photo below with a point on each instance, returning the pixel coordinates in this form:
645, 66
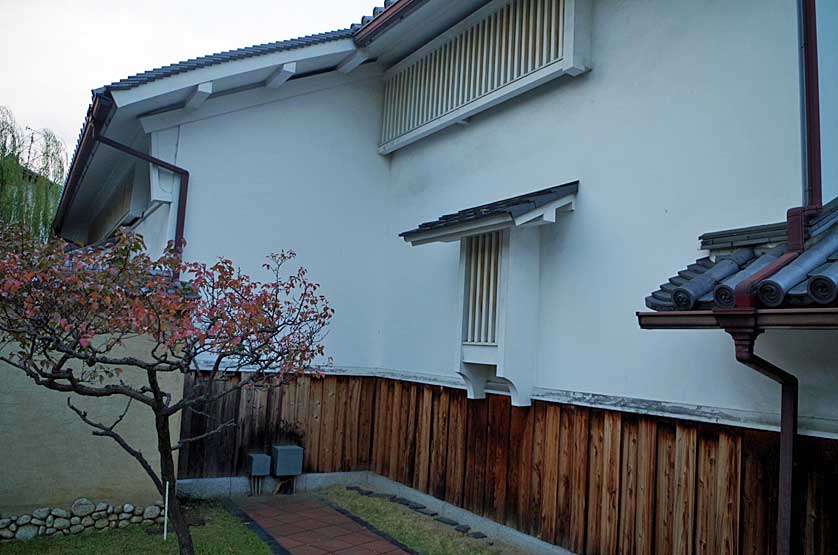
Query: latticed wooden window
501, 50
482, 277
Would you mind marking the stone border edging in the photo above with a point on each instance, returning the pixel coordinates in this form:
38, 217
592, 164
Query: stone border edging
358, 520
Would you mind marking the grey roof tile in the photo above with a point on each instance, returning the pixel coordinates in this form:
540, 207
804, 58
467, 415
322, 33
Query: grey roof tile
810, 279
227, 56
512, 207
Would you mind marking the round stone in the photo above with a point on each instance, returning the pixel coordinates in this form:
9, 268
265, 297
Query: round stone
136, 519
101, 507
12, 526
50, 520
41, 530
50, 531
128, 508
26, 532
124, 523
41, 513
159, 520
60, 513
87, 521
125, 516
75, 520
99, 515
75, 529
4, 522
101, 524
82, 507
151, 512
113, 517
6, 534
112, 524
23, 520
138, 511
61, 523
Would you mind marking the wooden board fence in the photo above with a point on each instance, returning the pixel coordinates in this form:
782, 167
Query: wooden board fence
593, 481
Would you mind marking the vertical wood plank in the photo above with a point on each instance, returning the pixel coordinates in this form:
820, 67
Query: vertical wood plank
550, 472
727, 495
581, 467
352, 420
404, 440
423, 440
497, 456
409, 467
628, 485
378, 426
537, 476
564, 496
439, 442
685, 452
456, 458
475, 456
396, 446
517, 429
610, 481
596, 460
312, 439
705, 503
327, 425
303, 394
341, 400
665, 490
525, 481
647, 433
366, 417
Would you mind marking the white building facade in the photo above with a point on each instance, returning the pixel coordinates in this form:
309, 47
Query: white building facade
673, 118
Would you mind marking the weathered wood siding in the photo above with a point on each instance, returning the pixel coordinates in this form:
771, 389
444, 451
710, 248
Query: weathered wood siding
593, 481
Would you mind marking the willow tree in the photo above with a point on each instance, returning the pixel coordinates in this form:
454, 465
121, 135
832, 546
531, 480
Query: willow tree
32, 166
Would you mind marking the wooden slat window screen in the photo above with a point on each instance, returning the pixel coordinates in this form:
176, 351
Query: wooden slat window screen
517, 39
482, 275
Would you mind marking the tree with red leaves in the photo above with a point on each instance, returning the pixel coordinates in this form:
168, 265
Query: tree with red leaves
66, 318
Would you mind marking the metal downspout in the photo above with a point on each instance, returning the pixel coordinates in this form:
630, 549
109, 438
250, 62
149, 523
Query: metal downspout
183, 190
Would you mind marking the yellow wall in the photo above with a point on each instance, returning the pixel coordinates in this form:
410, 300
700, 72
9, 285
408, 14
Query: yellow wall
48, 456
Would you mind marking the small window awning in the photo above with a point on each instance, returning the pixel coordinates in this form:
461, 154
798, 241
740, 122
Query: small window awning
536, 208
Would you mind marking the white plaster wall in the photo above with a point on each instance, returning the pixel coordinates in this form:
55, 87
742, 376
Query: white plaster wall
689, 122
300, 173
827, 13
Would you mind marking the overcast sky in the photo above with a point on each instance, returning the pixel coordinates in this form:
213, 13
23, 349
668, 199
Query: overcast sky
54, 52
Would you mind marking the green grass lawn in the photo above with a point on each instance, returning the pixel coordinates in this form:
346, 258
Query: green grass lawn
419, 532
220, 533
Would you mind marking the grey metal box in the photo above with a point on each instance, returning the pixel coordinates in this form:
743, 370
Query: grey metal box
259, 464
287, 460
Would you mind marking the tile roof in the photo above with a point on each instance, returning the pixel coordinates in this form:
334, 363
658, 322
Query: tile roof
709, 283
227, 56
513, 207
375, 13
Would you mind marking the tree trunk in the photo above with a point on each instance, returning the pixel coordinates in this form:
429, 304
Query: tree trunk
168, 474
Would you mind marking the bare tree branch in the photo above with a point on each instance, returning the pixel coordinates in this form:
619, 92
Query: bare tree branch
105, 431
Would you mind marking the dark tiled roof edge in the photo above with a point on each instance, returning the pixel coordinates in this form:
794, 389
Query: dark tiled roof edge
513, 207
227, 56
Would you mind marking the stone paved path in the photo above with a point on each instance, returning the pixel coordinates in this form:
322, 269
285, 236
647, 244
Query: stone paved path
305, 526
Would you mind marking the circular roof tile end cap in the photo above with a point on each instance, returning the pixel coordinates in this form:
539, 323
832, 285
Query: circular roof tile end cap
724, 296
823, 289
683, 299
771, 293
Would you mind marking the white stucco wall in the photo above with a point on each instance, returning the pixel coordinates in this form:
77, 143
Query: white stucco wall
827, 13
688, 123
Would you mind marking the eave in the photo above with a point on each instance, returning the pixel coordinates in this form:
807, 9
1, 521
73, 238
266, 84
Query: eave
774, 318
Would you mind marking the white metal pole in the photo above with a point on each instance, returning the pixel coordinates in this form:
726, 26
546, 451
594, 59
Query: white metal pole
166, 513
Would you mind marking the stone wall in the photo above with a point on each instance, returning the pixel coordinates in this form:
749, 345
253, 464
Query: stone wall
82, 516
